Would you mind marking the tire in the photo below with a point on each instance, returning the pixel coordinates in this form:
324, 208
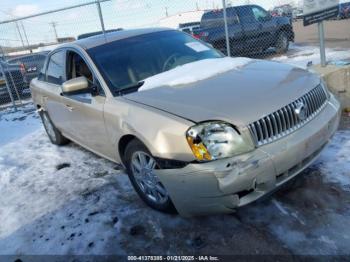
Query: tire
282, 43
144, 181
53, 133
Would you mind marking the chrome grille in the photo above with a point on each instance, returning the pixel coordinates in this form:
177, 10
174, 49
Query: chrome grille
286, 120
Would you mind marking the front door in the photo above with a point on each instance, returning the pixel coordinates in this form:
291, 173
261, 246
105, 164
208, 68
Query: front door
267, 26
254, 27
85, 110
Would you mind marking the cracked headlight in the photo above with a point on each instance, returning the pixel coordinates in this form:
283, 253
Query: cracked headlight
215, 140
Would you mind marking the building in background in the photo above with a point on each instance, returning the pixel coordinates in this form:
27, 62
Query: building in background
186, 21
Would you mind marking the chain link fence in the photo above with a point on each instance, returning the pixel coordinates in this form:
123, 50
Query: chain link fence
236, 28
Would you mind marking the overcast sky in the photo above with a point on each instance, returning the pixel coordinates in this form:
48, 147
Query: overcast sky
116, 13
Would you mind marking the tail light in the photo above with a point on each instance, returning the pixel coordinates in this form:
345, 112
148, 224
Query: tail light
22, 68
197, 36
201, 35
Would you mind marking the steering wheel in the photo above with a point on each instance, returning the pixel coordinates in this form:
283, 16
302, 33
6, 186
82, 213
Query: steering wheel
169, 63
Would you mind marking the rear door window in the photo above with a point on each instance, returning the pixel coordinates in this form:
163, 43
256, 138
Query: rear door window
55, 73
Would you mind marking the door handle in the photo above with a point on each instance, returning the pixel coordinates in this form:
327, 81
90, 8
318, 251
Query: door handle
70, 108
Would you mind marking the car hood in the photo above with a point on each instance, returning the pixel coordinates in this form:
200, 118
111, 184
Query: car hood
239, 96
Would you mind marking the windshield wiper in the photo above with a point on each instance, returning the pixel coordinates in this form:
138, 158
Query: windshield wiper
130, 89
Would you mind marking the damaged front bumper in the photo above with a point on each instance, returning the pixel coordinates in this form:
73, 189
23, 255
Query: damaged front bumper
223, 185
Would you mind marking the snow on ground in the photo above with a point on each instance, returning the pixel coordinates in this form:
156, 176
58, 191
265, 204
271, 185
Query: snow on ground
66, 200
12, 125
200, 70
301, 55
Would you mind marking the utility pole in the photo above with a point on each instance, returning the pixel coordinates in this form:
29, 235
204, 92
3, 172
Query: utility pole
166, 12
54, 24
26, 37
99, 9
20, 35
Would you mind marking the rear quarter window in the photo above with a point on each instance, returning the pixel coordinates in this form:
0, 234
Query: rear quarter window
55, 73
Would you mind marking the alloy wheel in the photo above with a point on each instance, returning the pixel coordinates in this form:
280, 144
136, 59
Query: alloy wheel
142, 167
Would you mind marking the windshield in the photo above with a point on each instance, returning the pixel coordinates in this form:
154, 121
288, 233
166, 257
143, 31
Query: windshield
125, 63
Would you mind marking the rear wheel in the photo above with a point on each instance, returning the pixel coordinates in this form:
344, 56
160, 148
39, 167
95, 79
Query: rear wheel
53, 133
140, 165
282, 43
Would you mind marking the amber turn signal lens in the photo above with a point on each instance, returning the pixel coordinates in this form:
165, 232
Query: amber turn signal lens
199, 150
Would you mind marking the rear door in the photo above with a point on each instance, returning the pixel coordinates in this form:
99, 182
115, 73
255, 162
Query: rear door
237, 41
51, 89
213, 26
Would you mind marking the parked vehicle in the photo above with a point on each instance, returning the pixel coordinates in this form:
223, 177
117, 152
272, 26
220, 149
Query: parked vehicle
30, 65
283, 10
190, 28
251, 29
14, 78
196, 131
298, 14
344, 10
2, 79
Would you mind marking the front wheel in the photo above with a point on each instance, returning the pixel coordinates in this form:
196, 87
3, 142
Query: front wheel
53, 133
282, 43
140, 165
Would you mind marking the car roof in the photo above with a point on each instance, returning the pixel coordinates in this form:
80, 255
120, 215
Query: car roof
98, 40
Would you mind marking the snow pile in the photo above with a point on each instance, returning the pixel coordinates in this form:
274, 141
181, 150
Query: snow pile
194, 72
300, 56
60, 200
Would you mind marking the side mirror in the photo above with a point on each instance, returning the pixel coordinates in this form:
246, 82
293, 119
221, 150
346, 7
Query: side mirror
76, 86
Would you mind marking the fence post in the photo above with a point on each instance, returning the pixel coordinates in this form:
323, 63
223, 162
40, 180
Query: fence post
14, 85
228, 48
322, 44
8, 87
101, 18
